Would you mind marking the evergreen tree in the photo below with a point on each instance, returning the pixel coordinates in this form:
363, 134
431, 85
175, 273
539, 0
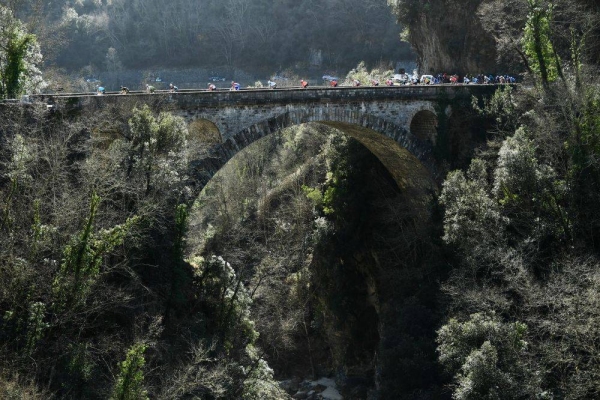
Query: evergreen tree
19, 57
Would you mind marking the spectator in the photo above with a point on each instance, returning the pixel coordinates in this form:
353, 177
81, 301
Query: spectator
304, 84
212, 87
150, 88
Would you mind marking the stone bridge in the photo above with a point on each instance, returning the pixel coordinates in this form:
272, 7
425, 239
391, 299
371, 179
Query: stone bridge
399, 124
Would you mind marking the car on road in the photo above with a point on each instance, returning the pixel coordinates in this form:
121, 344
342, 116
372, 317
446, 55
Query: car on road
330, 78
400, 78
217, 79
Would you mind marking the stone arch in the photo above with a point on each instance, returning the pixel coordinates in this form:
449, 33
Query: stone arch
424, 126
409, 159
408, 172
205, 130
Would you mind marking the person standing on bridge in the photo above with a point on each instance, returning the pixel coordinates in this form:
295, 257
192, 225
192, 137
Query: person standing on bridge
304, 84
100, 90
124, 90
234, 86
150, 88
212, 87
272, 84
173, 88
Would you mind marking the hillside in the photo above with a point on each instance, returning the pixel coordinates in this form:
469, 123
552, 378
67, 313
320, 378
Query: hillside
258, 36
302, 258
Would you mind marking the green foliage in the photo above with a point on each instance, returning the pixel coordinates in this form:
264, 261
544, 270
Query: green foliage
82, 258
484, 354
537, 44
525, 199
35, 325
17, 173
221, 287
584, 143
530, 192
365, 77
179, 280
130, 381
80, 364
259, 383
181, 226
314, 195
156, 148
337, 187
502, 108
473, 218
79, 275
19, 57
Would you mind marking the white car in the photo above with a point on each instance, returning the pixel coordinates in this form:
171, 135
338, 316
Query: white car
400, 78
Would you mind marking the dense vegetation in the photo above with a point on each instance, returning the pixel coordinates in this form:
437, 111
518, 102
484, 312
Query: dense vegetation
97, 298
302, 257
522, 301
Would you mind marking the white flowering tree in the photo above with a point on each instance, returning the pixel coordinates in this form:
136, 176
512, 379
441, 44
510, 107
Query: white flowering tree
20, 58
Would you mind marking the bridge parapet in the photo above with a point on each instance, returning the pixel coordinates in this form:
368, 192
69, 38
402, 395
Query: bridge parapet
224, 98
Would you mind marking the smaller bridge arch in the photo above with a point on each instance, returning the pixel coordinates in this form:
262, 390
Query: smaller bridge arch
424, 125
204, 130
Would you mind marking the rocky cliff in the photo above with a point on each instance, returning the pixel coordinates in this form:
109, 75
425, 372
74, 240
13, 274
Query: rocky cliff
474, 36
447, 35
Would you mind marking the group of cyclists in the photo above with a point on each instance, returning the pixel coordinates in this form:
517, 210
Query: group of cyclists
100, 90
425, 79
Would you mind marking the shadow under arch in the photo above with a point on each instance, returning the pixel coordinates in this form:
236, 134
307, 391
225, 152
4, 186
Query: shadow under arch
424, 126
408, 172
204, 130
411, 173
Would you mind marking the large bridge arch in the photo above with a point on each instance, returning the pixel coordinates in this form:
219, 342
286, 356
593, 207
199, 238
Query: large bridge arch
408, 159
